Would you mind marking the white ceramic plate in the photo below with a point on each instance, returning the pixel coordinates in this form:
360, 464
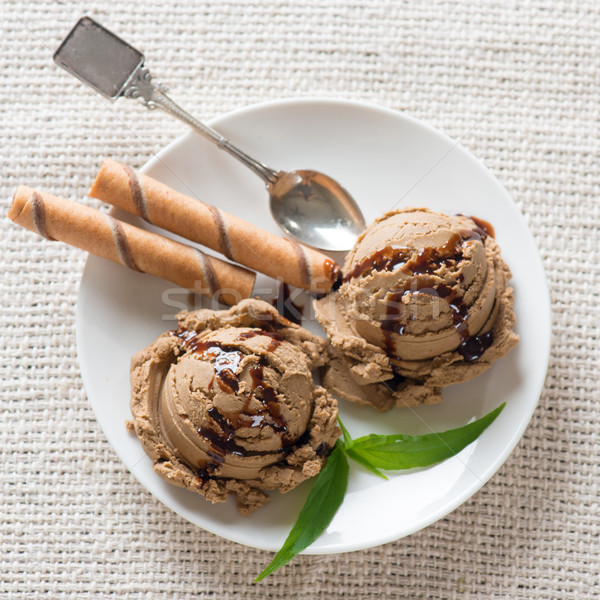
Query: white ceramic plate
386, 159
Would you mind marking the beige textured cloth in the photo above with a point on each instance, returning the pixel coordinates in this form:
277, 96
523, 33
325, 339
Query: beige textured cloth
518, 83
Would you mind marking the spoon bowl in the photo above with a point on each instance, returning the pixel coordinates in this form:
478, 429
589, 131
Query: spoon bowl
315, 209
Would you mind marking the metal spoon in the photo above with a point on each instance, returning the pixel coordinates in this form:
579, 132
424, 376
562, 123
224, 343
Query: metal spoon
308, 205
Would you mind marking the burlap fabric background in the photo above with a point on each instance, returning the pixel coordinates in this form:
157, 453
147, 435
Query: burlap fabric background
517, 82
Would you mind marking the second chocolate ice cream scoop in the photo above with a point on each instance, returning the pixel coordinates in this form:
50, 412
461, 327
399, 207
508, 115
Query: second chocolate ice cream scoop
424, 303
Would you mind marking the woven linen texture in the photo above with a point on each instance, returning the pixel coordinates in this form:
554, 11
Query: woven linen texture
518, 83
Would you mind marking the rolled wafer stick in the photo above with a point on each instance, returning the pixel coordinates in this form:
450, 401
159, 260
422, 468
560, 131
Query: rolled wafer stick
238, 240
100, 234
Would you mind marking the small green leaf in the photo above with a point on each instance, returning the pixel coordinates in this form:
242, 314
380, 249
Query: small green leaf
348, 442
395, 452
323, 501
347, 437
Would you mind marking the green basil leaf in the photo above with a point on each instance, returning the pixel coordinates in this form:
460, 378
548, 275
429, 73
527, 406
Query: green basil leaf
348, 442
347, 437
395, 452
323, 501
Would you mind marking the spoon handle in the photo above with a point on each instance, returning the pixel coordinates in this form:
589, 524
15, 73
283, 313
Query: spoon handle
154, 96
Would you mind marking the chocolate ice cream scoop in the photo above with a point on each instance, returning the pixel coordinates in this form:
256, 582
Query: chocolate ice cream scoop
236, 400
227, 404
424, 303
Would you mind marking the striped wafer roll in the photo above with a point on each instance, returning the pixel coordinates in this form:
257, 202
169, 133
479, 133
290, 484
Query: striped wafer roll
238, 240
100, 234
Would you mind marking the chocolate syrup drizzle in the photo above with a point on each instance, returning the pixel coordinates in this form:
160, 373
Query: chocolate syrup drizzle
422, 265
482, 228
226, 359
427, 260
332, 270
471, 347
